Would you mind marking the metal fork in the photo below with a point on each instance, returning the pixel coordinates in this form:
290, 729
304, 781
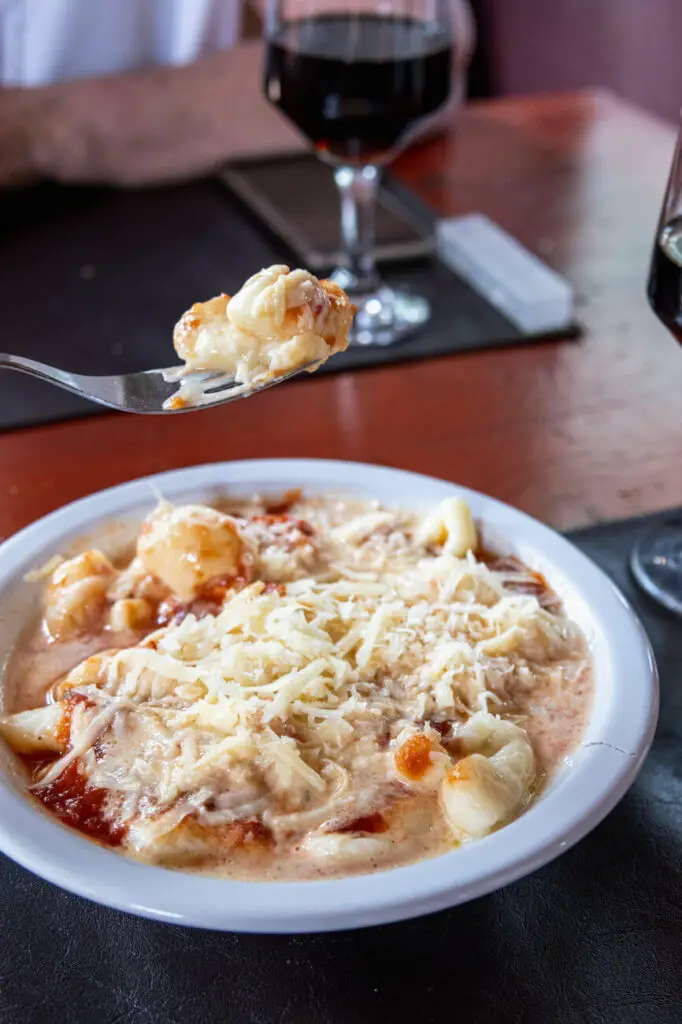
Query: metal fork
144, 392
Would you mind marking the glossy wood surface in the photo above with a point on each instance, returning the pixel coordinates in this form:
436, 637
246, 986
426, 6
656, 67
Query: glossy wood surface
571, 432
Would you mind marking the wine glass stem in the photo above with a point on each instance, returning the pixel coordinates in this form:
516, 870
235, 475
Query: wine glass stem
358, 188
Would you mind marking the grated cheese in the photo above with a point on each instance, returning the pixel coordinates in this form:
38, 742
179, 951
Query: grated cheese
288, 704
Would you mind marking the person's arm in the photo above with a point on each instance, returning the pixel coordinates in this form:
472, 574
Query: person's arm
165, 124
16, 162
159, 125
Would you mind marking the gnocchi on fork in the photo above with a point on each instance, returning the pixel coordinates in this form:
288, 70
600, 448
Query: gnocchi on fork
280, 323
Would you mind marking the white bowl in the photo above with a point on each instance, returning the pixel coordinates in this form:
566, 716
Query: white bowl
587, 787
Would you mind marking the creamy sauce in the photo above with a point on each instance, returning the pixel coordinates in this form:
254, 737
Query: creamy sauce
555, 721
39, 664
407, 826
413, 829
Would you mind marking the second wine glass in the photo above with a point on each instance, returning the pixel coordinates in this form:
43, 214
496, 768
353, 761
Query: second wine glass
359, 78
656, 560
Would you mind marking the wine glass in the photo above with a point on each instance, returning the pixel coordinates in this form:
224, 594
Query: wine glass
656, 560
358, 78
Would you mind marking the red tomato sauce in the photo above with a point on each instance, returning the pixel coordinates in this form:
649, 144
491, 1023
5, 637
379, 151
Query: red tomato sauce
72, 799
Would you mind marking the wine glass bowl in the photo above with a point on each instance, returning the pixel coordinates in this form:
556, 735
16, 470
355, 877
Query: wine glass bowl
359, 79
356, 83
656, 561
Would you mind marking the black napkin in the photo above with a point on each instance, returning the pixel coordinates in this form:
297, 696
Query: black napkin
93, 280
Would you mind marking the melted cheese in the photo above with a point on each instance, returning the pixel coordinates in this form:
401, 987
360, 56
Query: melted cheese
280, 321
291, 705
207, 702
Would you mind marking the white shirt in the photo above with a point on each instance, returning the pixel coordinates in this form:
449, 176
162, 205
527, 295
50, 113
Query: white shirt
44, 41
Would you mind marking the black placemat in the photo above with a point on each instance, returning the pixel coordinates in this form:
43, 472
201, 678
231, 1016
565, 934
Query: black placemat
593, 938
93, 280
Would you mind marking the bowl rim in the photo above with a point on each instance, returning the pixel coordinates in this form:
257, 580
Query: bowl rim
603, 769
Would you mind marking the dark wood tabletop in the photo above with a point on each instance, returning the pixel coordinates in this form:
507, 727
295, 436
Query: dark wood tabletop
571, 432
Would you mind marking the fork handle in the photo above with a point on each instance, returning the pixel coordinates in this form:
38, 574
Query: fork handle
107, 391
41, 370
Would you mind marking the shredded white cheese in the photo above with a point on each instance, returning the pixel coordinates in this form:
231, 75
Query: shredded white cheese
287, 704
336, 663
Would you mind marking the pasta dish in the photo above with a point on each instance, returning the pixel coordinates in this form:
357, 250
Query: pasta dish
294, 688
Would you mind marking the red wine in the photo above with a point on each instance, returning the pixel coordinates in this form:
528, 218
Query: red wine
356, 85
665, 279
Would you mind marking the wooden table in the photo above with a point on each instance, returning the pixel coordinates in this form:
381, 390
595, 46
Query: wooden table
570, 432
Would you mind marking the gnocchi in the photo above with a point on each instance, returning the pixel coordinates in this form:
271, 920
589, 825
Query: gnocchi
189, 545
342, 848
130, 613
34, 732
280, 321
88, 673
282, 303
418, 763
77, 593
452, 527
489, 785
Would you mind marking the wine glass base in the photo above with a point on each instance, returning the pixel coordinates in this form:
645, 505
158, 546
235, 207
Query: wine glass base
656, 563
384, 316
